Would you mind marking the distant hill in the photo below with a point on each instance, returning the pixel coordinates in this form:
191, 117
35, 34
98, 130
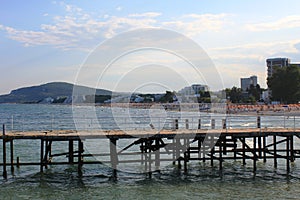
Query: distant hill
55, 92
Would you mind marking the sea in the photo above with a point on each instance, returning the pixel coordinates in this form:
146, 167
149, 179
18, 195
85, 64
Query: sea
202, 181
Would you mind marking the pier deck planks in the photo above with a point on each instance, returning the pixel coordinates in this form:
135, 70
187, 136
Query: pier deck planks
94, 134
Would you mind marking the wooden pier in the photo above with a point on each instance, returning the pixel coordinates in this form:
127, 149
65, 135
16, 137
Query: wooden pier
178, 146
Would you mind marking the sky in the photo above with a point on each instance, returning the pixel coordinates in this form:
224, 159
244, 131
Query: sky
46, 41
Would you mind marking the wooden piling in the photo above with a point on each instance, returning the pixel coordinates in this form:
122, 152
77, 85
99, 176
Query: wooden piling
292, 148
288, 154
186, 124
212, 151
224, 146
12, 156
259, 146
71, 152
258, 122
275, 151
157, 155
186, 154
42, 156
264, 149
244, 150
175, 124
18, 162
203, 146
47, 153
149, 159
178, 147
113, 156
213, 123
234, 148
80, 158
174, 151
199, 148
224, 123
142, 152
254, 154
4, 153
220, 155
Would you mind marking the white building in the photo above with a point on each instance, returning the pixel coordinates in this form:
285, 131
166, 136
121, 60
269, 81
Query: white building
193, 90
190, 93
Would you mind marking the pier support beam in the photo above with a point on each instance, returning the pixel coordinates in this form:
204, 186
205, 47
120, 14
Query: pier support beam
178, 148
275, 150
254, 154
113, 156
292, 148
42, 156
71, 152
187, 124
235, 148
220, 154
264, 149
47, 157
157, 155
212, 151
4, 153
12, 156
80, 158
244, 150
224, 126
259, 146
288, 154
213, 123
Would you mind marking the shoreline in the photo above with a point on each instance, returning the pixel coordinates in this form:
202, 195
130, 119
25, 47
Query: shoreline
231, 109
274, 110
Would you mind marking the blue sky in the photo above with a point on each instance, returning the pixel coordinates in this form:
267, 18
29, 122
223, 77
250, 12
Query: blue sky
45, 41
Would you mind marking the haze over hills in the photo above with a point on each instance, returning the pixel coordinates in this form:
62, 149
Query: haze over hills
54, 92
62, 93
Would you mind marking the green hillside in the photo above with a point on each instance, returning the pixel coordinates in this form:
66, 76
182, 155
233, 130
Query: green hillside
54, 90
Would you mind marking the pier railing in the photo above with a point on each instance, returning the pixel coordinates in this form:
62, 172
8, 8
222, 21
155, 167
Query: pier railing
19, 123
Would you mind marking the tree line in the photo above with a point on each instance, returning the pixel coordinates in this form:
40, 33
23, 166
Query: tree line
251, 95
285, 84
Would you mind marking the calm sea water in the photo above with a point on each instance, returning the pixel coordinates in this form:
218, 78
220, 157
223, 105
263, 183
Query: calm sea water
201, 181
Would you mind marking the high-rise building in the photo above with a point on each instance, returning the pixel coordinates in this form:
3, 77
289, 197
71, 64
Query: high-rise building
273, 63
246, 82
276, 62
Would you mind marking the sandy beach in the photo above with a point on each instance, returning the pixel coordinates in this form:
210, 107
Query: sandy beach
279, 109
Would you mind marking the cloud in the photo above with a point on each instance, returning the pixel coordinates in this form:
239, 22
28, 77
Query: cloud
77, 29
255, 50
292, 21
193, 24
147, 14
80, 30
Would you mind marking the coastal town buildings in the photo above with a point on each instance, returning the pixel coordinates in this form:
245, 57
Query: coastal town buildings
193, 90
247, 82
189, 93
272, 64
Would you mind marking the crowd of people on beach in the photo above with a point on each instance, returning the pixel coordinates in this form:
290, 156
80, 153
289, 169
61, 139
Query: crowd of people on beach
236, 108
